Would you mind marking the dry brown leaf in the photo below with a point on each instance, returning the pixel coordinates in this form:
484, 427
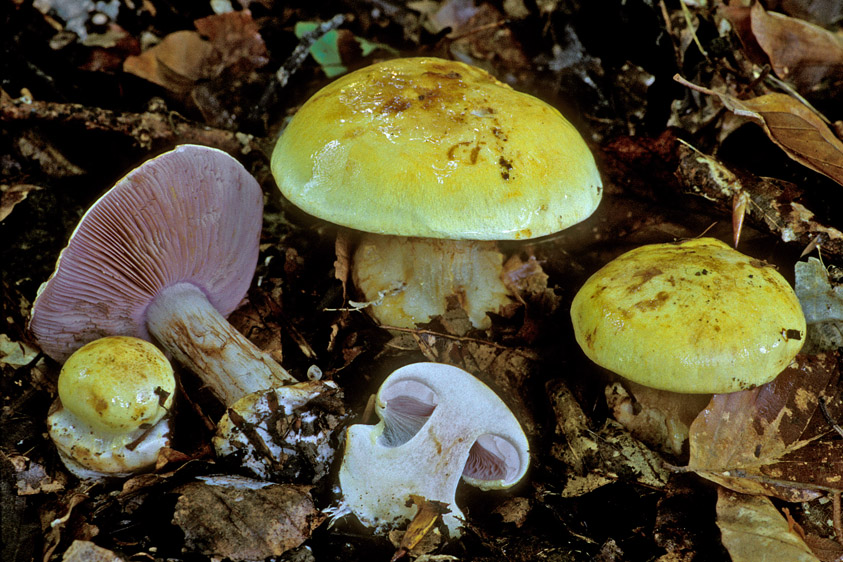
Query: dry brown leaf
421, 527
793, 126
767, 440
86, 551
752, 528
237, 40
11, 195
184, 57
243, 519
597, 458
176, 63
819, 54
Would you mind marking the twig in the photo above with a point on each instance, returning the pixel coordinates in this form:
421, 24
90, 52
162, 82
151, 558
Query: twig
147, 129
425, 332
828, 418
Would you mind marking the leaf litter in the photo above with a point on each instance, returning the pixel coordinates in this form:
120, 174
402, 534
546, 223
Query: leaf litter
772, 441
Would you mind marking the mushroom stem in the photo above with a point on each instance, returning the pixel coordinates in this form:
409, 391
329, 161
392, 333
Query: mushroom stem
190, 329
409, 280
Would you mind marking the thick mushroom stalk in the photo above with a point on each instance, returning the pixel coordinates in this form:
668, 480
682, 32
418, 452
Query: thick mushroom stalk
168, 253
438, 424
110, 418
409, 280
185, 323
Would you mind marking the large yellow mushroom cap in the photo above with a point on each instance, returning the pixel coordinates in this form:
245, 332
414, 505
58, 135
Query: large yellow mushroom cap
117, 384
434, 148
694, 317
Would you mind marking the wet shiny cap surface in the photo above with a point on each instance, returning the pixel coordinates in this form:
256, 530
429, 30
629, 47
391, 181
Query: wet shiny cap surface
435, 148
117, 383
694, 317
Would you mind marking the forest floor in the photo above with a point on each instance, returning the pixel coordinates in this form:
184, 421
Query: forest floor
701, 115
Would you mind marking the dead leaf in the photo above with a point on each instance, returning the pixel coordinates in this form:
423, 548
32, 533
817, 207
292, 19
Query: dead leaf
657, 417
514, 510
822, 304
597, 458
86, 551
176, 63
768, 440
421, 536
33, 479
825, 549
793, 126
819, 55
11, 195
243, 519
773, 204
237, 41
750, 525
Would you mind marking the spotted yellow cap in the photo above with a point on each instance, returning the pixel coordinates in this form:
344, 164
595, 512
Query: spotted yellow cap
434, 148
117, 384
693, 317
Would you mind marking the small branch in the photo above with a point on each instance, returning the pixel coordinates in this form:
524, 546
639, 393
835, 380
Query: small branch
147, 129
421, 332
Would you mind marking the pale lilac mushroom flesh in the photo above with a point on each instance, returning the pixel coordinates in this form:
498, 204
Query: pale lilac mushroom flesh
439, 424
166, 255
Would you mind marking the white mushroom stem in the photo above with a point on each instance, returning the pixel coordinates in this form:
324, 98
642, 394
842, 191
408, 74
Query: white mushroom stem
409, 280
191, 330
438, 424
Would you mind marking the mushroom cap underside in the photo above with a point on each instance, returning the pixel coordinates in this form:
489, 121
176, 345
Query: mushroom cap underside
434, 148
192, 215
459, 423
694, 317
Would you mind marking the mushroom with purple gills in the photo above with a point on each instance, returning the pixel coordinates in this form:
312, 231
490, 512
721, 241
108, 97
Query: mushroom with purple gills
112, 414
434, 160
165, 255
438, 424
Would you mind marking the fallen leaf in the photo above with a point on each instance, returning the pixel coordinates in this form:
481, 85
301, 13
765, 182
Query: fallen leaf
793, 126
242, 519
514, 510
827, 550
819, 54
176, 63
773, 204
237, 41
11, 195
822, 304
768, 440
86, 551
750, 525
596, 458
657, 417
421, 527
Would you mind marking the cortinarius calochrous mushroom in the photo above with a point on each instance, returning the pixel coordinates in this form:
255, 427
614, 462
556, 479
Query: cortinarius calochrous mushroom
438, 424
436, 160
165, 255
111, 417
690, 317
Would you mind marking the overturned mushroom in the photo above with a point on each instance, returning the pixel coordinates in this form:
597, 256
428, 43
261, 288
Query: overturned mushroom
166, 255
110, 417
438, 424
435, 160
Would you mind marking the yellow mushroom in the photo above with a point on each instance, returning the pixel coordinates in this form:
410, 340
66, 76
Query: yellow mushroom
690, 317
435, 159
111, 415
